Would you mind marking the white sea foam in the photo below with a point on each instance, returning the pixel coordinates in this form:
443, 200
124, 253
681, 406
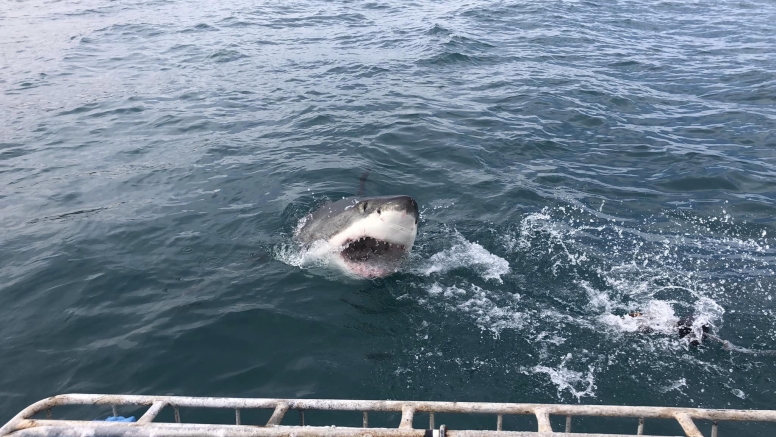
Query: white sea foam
318, 254
466, 254
598, 270
674, 385
578, 383
656, 315
479, 304
580, 273
642, 272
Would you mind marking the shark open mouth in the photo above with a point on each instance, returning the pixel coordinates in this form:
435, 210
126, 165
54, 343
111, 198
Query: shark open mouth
368, 249
362, 236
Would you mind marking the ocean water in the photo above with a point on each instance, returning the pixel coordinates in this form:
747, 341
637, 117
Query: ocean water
573, 161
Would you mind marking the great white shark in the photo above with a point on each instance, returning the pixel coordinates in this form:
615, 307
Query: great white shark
365, 236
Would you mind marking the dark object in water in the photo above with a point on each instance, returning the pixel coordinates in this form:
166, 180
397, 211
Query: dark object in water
644, 329
685, 329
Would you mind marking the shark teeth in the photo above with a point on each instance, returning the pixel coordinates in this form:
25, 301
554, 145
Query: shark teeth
368, 248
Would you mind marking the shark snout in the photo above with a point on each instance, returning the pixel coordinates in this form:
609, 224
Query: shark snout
406, 204
411, 206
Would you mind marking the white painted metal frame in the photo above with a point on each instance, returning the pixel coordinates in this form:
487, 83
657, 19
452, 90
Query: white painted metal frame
22, 425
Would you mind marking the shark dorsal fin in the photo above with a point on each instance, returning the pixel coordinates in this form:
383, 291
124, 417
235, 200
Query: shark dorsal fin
362, 183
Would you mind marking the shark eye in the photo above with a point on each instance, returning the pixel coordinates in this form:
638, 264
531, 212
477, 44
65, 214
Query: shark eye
378, 211
362, 206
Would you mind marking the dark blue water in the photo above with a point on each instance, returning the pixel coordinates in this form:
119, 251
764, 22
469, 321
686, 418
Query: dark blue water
573, 160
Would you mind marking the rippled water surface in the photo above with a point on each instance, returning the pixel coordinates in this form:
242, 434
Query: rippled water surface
573, 161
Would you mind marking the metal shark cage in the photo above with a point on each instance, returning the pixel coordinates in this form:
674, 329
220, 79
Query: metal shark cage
24, 425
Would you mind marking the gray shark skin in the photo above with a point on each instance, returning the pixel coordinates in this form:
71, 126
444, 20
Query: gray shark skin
367, 236
332, 218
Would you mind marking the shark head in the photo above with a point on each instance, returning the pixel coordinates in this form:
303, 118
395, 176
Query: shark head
368, 236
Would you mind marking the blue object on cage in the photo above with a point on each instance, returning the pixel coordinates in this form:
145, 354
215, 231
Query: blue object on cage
118, 419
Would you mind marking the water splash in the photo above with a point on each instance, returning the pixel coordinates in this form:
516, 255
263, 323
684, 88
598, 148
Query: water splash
468, 255
488, 309
578, 383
